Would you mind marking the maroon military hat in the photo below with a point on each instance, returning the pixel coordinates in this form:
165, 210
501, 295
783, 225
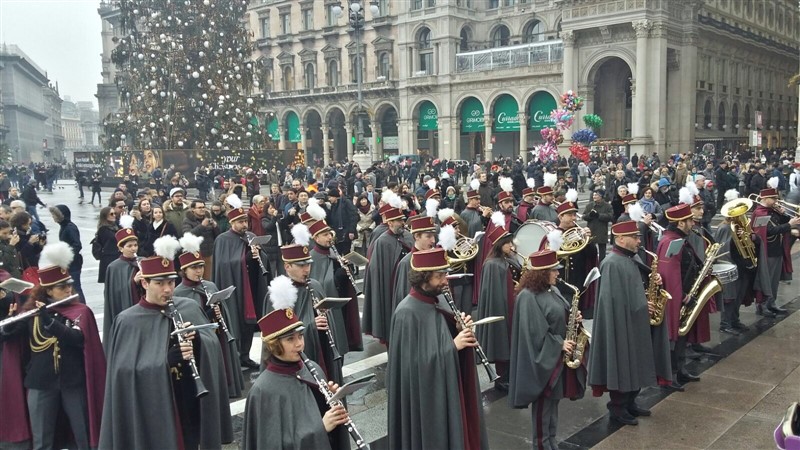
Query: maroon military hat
528, 191
566, 207
384, 209
625, 228
697, 200
473, 194
158, 268
305, 218
50, 276
450, 221
418, 224
295, 254
189, 259
392, 214
630, 198
543, 259
432, 193
318, 227
279, 323
769, 193
433, 260
545, 190
505, 195
236, 214
497, 234
124, 235
679, 212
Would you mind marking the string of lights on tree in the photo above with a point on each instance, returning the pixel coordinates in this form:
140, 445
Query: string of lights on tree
186, 78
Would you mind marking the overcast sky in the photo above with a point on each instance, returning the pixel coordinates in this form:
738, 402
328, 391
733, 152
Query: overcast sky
62, 37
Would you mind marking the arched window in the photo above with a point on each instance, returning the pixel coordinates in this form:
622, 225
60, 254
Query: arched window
384, 67
721, 116
310, 76
425, 50
424, 39
501, 37
333, 73
534, 32
288, 78
748, 119
707, 114
464, 43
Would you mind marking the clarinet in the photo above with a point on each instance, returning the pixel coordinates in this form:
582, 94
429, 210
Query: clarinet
218, 316
249, 236
326, 392
478, 350
346, 267
331, 341
177, 321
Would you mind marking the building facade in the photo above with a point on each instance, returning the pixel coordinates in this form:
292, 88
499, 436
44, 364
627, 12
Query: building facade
108, 101
464, 78
31, 108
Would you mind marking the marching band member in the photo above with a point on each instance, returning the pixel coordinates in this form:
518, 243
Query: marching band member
150, 372
502, 218
379, 287
474, 215
386, 197
236, 264
622, 359
426, 344
496, 298
286, 388
578, 264
66, 367
460, 287
525, 207
121, 289
776, 234
648, 235
678, 273
193, 286
543, 210
539, 377
423, 229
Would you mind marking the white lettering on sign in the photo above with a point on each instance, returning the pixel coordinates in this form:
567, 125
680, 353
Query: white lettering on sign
541, 116
430, 114
505, 118
230, 159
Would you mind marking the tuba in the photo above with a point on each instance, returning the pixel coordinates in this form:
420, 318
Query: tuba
656, 294
741, 231
700, 293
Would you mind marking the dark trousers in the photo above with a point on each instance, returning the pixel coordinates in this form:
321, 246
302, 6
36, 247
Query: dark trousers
545, 423
678, 356
601, 251
80, 189
44, 406
622, 401
98, 196
76, 283
502, 368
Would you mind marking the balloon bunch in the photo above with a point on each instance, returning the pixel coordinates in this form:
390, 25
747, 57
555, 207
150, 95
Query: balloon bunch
571, 102
585, 136
563, 118
593, 121
580, 152
552, 135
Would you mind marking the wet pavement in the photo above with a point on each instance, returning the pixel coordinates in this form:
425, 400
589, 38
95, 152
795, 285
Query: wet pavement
745, 389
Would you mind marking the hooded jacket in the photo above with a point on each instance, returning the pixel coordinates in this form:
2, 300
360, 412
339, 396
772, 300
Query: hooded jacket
69, 233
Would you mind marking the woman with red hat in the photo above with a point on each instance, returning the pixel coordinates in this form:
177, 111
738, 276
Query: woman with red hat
540, 330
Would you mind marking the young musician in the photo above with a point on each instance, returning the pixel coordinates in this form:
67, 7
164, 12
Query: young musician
423, 230
578, 264
121, 289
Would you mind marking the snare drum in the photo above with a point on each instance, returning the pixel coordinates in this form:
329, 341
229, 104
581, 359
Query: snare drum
531, 236
725, 272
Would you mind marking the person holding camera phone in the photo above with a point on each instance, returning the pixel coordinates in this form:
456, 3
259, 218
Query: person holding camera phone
198, 221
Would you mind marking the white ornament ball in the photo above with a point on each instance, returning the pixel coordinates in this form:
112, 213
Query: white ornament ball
249, 101
180, 143
195, 74
219, 144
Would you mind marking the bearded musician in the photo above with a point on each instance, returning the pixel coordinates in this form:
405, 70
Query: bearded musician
700, 239
578, 264
544, 210
525, 208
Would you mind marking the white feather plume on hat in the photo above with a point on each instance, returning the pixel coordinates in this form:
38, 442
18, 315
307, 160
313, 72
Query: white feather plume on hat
506, 184
190, 243
431, 183
166, 246
571, 195
475, 184
685, 196
282, 293
531, 183
431, 205
56, 254
633, 188
395, 201
692, 187
555, 239
499, 219
234, 201
447, 237
550, 179
773, 182
301, 234
315, 211
386, 194
731, 194
445, 213
126, 221
636, 212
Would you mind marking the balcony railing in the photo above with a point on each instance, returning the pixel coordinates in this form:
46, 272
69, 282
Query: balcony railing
510, 57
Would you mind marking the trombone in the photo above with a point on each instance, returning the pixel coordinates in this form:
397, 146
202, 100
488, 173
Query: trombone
789, 209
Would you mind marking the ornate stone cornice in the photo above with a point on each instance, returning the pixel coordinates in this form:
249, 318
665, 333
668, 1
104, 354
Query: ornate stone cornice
642, 28
568, 37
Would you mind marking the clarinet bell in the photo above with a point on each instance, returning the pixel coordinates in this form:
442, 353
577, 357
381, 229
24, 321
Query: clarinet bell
493, 376
336, 355
201, 388
229, 336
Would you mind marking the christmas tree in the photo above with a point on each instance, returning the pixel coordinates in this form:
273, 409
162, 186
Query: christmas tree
186, 77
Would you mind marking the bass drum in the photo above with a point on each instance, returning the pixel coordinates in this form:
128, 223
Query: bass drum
532, 237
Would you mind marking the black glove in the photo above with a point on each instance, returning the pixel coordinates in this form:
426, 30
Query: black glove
593, 214
45, 317
174, 355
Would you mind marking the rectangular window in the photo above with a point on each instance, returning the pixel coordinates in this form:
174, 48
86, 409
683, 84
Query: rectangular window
330, 17
431, 3
426, 62
416, 5
508, 2
264, 25
308, 19
494, 4
286, 23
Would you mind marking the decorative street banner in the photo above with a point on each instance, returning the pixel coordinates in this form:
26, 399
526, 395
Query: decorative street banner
428, 117
506, 114
293, 127
541, 106
472, 116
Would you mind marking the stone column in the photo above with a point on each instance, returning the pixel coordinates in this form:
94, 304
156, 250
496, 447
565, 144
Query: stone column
349, 130
639, 88
487, 122
282, 135
375, 155
523, 136
326, 153
403, 136
455, 138
303, 143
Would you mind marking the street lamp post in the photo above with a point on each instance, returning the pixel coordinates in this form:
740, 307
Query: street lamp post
356, 19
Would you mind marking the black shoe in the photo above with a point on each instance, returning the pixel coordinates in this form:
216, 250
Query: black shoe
777, 309
729, 330
763, 311
638, 411
674, 387
741, 327
700, 348
624, 418
248, 363
501, 386
686, 377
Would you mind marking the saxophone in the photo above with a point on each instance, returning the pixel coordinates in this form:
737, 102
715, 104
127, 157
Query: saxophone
575, 332
697, 298
656, 295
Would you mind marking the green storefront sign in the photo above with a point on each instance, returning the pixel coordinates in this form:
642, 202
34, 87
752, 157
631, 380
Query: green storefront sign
541, 106
506, 114
428, 117
293, 127
472, 116
272, 129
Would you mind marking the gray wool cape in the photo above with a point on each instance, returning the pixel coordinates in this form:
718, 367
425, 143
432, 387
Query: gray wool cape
537, 361
322, 270
283, 413
659, 335
423, 379
472, 217
117, 295
231, 351
494, 298
401, 284
376, 233
379, 285
622, 351
545, 212
139, 408
317, 348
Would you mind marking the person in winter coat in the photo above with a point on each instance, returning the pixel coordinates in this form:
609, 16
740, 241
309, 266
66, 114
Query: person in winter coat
175, 209
70, 234
31, 199
759, 180
598, 214
106, 228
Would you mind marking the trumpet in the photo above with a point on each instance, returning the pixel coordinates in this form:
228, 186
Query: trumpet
788, 209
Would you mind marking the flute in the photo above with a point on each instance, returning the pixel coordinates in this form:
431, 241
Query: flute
478, 350
326, 392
